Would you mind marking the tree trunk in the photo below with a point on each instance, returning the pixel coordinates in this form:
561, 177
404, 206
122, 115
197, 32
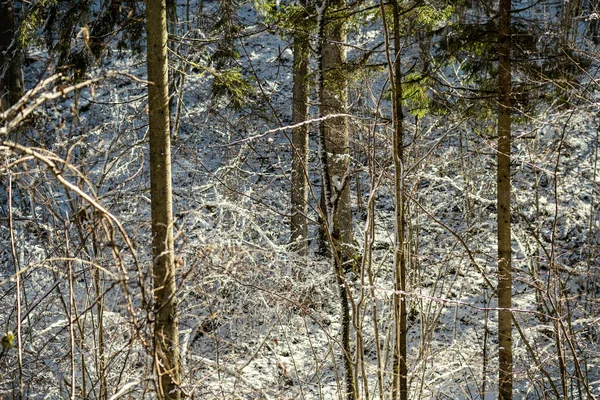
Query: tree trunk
166, 340
400, 368
332, 198
504, 234
11, 75
299, 226
334, 101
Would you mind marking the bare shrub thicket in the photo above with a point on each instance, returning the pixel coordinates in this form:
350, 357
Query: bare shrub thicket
256, 320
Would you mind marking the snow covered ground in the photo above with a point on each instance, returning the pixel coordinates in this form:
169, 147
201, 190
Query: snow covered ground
256, 322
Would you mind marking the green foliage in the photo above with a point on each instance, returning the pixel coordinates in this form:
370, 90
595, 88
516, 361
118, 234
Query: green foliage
8, 340
32, 22
28, 26
264, 7
227, 26
290, 17
421, 20
415, 94
231, 84
429, 17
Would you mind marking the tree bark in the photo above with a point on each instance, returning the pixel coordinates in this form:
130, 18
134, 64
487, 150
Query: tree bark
332, 199
11, 74
166, 340
399, 365
400, 382
299, 179
504, 234
334, 101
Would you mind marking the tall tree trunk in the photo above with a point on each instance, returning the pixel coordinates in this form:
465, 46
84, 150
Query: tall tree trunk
334, 101
332, 199
11, 75
299, 192
400, 368
504, 234
166, 340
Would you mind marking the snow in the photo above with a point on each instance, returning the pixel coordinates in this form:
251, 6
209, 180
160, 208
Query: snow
257, 322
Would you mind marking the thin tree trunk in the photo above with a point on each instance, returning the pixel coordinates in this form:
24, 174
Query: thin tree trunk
399, 366
299, 192
166, 341
11, 75
101, 358
504, 234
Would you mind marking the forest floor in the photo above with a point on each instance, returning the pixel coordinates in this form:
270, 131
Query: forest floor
256, 321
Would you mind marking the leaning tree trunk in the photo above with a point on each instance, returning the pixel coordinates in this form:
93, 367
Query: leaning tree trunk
11, 75
504, 235
299, 179
166, 341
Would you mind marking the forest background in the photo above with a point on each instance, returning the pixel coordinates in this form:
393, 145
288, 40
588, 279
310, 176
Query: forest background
221, 199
